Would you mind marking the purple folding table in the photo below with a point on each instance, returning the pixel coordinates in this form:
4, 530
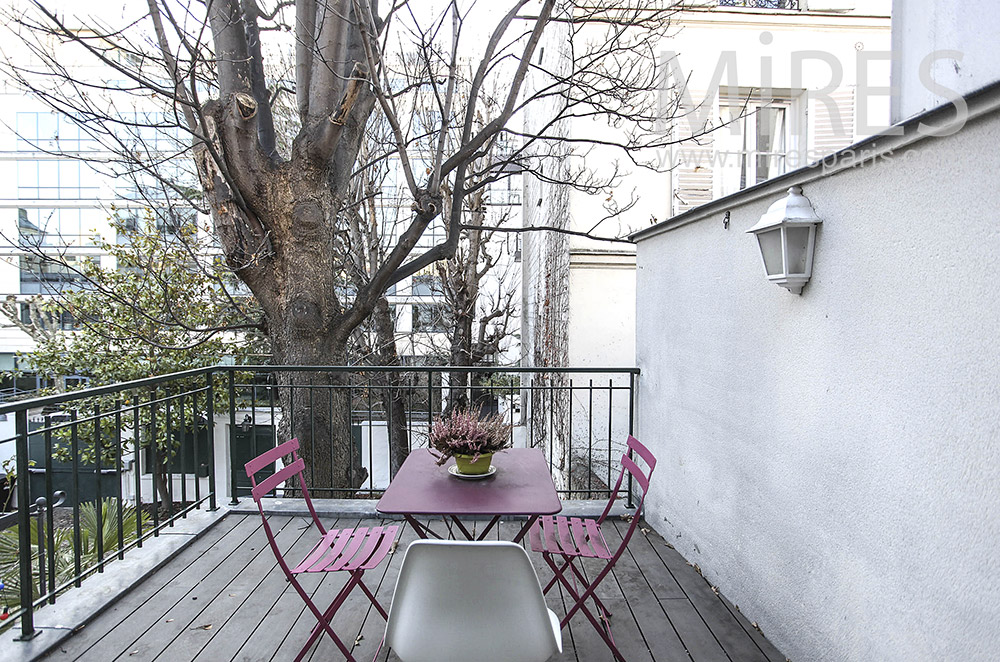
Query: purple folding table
521, 487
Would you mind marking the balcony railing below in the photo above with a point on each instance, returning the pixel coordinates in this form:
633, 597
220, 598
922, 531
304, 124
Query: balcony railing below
791, 5
133, 458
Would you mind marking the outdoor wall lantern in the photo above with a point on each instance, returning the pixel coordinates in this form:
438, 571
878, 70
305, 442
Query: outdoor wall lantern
787, 234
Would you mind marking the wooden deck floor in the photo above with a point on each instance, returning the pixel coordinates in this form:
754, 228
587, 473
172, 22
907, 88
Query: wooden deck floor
224, 598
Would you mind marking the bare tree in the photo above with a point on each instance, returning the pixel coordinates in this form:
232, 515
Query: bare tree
280, 215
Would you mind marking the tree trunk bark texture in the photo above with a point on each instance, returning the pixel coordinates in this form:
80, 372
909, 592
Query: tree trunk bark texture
392, 393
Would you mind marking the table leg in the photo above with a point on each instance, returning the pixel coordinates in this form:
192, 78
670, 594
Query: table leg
524, 529
488, 528
422, 531
468, 534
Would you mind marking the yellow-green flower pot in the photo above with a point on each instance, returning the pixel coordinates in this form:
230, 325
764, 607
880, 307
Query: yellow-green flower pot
469, 468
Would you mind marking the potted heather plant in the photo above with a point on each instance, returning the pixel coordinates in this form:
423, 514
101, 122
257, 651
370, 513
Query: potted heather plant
471, 440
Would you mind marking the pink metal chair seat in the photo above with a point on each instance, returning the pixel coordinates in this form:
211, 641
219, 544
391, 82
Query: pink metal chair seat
571, 538
338, 550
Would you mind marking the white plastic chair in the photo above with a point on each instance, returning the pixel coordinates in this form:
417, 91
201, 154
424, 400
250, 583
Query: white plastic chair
458, 600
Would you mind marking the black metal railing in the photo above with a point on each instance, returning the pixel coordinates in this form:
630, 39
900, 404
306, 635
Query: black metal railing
133, 458
84, 451
791, 5
580, 417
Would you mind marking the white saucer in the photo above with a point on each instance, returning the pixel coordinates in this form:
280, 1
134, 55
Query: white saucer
453, 470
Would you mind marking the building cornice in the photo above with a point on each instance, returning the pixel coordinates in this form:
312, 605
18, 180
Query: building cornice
779, 18
982, 102
602, 259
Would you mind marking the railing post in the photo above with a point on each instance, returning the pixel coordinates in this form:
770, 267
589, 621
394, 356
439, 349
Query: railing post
40, 508
99, 500
136, 467
118, 479
631, 420
430, 404
49, 515
212, 504
24, 527
74, 450
233, 501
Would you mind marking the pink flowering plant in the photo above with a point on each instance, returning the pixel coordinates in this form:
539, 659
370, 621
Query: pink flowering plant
464, 433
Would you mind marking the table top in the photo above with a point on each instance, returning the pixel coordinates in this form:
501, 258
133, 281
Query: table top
522, 485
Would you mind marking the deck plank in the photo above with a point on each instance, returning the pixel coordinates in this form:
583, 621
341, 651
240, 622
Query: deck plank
233, 591
242, 606
128, 612
658, 633
555, 598
766, 647
124, 639
266, 640
617, 590
355, 612
369, 637
663, 609
277, 616
196, 590
729, 634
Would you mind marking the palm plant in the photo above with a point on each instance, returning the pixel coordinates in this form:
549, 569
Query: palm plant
64, 548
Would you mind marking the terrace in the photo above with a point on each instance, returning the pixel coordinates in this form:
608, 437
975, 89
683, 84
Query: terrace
195, 578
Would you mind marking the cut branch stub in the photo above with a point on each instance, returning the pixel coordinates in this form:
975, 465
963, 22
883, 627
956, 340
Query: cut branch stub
358, 75
328, 133
427, 205
245, 105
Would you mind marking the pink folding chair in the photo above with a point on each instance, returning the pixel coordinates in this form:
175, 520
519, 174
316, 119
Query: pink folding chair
338, 550
571, 538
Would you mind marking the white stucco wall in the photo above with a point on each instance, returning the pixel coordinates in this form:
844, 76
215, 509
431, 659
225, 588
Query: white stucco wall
928, 29
602, 309
832, 460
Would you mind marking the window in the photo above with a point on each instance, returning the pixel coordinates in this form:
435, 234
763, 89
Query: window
426, 123
173, 219
144, 186
754, 143
168, 221
429, 317
56, 179
52, 132
424, 285
505, 191
41, 276
433, 235
63, 319
58, 227
153, 131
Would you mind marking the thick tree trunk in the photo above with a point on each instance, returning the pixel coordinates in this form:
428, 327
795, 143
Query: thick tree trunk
316, 408
461, 355
307, 327
392, 394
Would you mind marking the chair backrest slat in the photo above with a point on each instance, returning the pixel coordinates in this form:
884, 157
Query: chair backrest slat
278, 477
269, 456
643, 452
636, 472
642, 478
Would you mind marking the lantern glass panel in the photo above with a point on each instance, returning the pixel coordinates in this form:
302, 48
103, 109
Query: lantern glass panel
770, 248
798, 249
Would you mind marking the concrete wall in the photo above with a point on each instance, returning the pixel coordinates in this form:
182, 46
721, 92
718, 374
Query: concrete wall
921, 27
831, 461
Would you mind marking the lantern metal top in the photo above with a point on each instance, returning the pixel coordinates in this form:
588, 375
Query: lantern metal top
793, 209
